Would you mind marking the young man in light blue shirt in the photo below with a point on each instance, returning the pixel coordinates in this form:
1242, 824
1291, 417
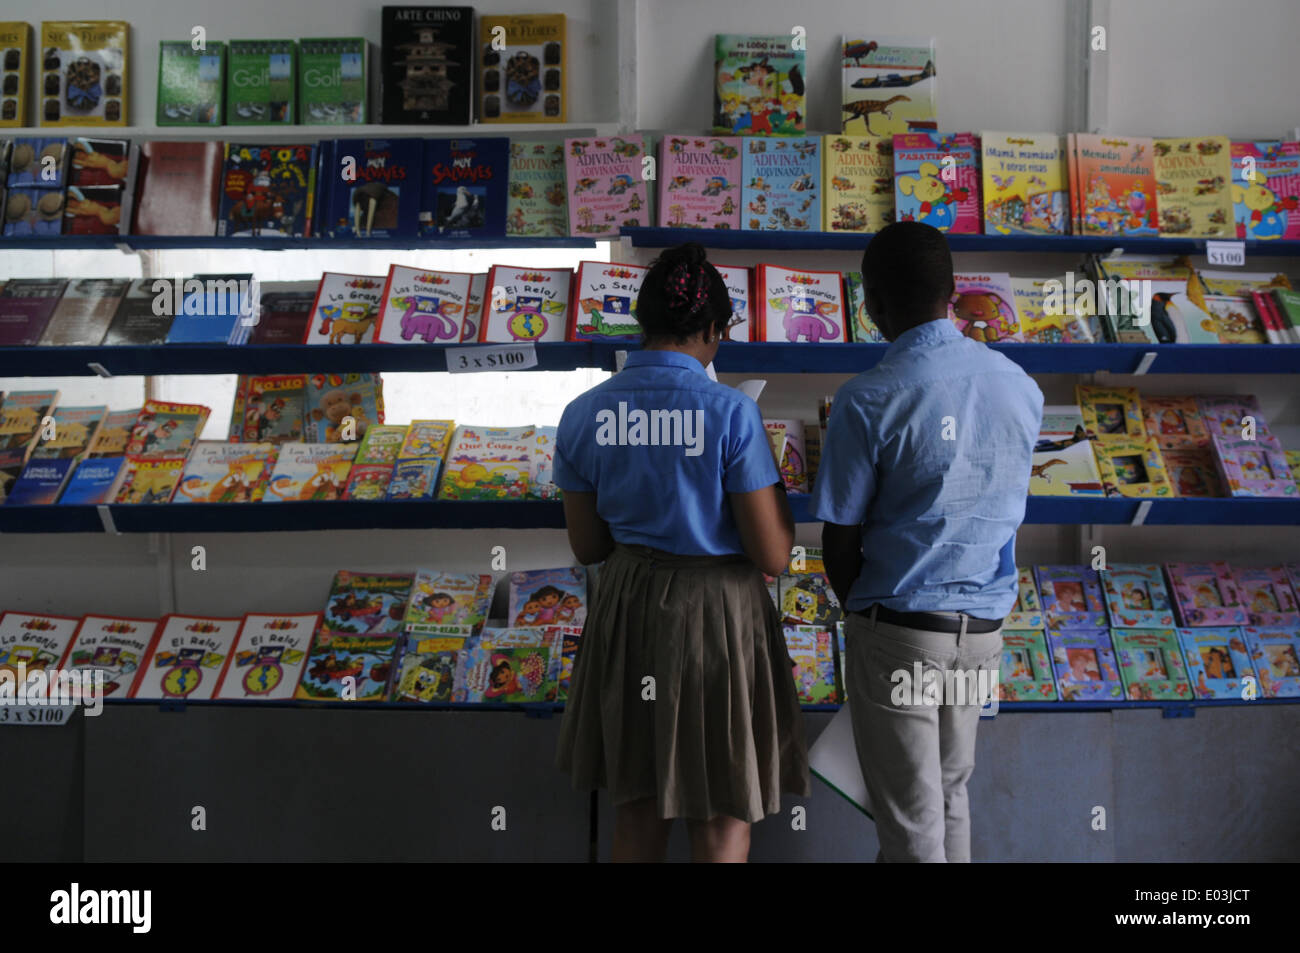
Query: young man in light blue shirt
921, 488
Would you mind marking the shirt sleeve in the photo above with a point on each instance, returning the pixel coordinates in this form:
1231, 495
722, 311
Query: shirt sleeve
565, 473
747, 463
846, 476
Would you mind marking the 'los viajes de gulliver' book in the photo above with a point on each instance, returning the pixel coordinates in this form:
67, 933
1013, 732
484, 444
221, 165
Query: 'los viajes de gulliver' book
758, 85
220, 472
270, 653
858, 183
463, 187
310, 471
1025, 184
699, 182
525, 82
427, 67
536, 204
1194, 182
781, 185
888, 85
606, 184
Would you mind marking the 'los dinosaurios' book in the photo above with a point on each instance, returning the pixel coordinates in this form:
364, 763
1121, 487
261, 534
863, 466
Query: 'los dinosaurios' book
421, 306
795, 304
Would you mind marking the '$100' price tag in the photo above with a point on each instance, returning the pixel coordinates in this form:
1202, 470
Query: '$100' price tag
491, 357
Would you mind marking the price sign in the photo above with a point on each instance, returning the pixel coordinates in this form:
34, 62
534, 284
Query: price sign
1231, 254
491, 357
36, 714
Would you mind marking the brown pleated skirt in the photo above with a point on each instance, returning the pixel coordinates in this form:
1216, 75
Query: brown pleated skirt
718, 731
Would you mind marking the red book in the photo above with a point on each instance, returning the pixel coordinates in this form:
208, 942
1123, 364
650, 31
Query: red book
178, 189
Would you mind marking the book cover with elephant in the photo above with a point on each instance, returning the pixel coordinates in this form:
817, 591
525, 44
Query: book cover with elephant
342, 407
524, 304
936, 180
346, 309
606, 183
983, 307
699, 182
1266, 189
781, 185
858, 179
371, 188
797, 305
422, 306
887, 85
220, 472
310, 471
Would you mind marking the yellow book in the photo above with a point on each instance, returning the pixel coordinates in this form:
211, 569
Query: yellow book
521, 66
1194, 187
857, 183
1293, 461
1132, 467
83, 73
15, 55
149, 479
1111, 412
1025, 179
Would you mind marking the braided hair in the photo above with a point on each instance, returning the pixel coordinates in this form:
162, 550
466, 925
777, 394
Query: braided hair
682, 295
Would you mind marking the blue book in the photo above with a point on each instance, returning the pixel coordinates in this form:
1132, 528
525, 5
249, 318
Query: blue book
1218, 659
219, 310
464, 188
92, 481
40, 482
371, 188
781, 184
415, 479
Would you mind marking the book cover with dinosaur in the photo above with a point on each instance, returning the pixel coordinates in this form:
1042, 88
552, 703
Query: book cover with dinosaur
739, 281
781, 185
220, 472
1117, 185
371, 188
936, 180
1062, 463
887, 84
983, 307
604, 302
1136, 596
1206, 594
1270, 600
1132, 467
1025, 184
699, 182
1028, 611
758, 85
606, 184
423, 306
525, 82
858, 179
1084, 664
798, 305
187, 659
1026, 672
1266, 189
1276, 654
488, 463
1071, 597
1194, 187
114, 645
269, 655
537, 203
1193, 473
526, 304
310, 471
345, 309
1151, 664
465, 184
1217, 661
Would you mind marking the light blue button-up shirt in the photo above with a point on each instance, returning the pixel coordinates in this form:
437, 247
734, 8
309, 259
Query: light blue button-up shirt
661, 445
929, 451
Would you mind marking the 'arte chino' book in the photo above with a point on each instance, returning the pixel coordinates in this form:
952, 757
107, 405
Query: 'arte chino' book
267, 190
1217, 661
537, 204
781, 185
270, 654
371, 188
113, 645
1194, 185
427, 671
83, 314
37, 642
798, 305
888, 84
26, 305
422, 306
1025, 184
699, 182
606, 184
341, 407
758, 85
166, 427
220, 472
310, 471
858, 183
1026, 673
1028, 611
345, 309
367, 602
1206, 594
525, 81
1117, 185
604, 300
936, 180
345, 667
1136, 596
1084, 663
1266, 189
1276, 654
447, 603
812, 649
1268, 595
178, 188
984, 307
1071, 597
427, 65
188, 658
464, 184
543, 597
1151, 664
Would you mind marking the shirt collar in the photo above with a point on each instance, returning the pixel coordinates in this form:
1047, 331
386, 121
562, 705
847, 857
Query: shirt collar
657, 358
923, 335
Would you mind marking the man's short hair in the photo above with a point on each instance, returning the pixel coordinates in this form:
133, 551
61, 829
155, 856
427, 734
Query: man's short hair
908, 265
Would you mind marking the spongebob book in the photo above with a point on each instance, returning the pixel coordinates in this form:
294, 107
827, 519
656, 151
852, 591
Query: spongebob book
274, 409
537, 202
603, 307
1026, 672
1132, 467
983, 307
936, 180
1194, 187
781, 185
219, 472
1217, 661
1269, 598
812, 650
448, 603
542, 597
699, 182
1151, 664
486, 673
1193, 473
345, 667
1175, 423
1110, 411
1276, 654
1136, 596
1117, 185
1206, 594
1083, 660
346, 309
887, 84
270, 654
806, 597
858, 183
114, 645
488, 463
526, 304
606, 184
863, 330
758, 85
787, 439
188, 658
310, 471
165, 428
1266, 189
422, 306
149, 479
37, 642
798, 305
362, 602
1025, 184
1071, 597
427, 670
1028, 611
1050, 319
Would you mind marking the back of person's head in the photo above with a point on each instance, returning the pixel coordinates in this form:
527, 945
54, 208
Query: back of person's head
908, 268
682, 295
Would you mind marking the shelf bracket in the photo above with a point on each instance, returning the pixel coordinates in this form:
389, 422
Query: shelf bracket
99, 369
106, 519
1144, 365
1140, 517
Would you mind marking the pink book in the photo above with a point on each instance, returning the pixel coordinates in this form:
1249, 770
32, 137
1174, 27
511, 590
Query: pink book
740, 287
1268, 595
606, 184
983, 307
795, 304
1248, 468
1206, 594
1264, 207
699, 182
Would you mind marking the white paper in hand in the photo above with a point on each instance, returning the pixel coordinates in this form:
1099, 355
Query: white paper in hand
751, 389
833, 759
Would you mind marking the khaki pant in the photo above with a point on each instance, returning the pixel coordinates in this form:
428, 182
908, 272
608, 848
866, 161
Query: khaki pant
916, 758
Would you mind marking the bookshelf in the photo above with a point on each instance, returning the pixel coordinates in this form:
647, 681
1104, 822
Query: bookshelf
133, 243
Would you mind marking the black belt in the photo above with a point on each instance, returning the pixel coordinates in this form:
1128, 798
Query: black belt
929, 621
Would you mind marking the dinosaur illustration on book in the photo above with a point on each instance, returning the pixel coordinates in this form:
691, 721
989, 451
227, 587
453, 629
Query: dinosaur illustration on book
863, 108
1039, 470
807, 319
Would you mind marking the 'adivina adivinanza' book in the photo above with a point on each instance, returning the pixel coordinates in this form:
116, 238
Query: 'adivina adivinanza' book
858, 183
606, 184
781, 185
537, 203
699, 182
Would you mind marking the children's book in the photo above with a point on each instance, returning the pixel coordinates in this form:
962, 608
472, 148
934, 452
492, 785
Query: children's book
862, 328
343, 407
888, 84
1252, 468
541, 485
549, 637
1276, 654
166, 428
1226, 416
798, 305
603, 304
310, 471
426, 438
1071, 597
188, 658
421, 306
368, 481
346, 306
937, 180
486, 673
415, 479
606, 184
219, 472
73, 431
1293, 461
1175, 423
983, 307
537, 203
1217, 661
370, 188
464, 188
474, 307
1192, 473
274, 409
1193, 184
270, 654
1131, 467
447, 603
788, 443
114, 645
427, 671
92, 481
1136, 597
114, 433
488, 463
542, 597
1206, 594
1084, 662
1117, 185
1110, 411
346, 667
381, 445
150, 479
1229, 302
781, 185
525, 81
1151, 664
858, 181
531, 304
36, 642
84, 72
1268, 595
571, 639
699, 182
758, 85
1266, 189
1028, 611
1046, 317
812, 650
806, 594
362, 602
1025, 184
268, 190
739, 282
83, 314
1026, 673
839, 656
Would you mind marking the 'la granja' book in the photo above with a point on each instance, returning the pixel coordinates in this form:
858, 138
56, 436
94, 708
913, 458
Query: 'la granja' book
346, 306
420, 306
525, 304
37, 642
798, 305
606, 181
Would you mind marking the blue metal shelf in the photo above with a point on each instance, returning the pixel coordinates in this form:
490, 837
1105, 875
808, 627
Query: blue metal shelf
269, 243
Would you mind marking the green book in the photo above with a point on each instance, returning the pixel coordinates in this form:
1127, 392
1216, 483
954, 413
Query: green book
191, 84
260, 79
332, 80
1288, 305
1151, 664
